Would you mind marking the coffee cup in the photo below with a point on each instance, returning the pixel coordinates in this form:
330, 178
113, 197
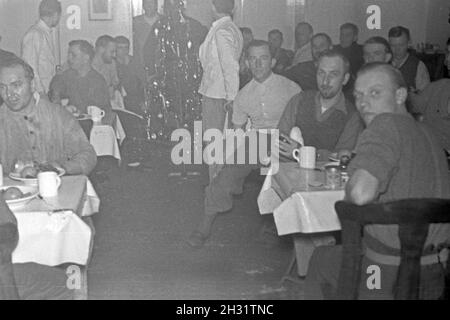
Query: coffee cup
49, 183
96, 113
306, 157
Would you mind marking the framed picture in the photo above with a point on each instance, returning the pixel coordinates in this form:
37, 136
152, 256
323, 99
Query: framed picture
100, 10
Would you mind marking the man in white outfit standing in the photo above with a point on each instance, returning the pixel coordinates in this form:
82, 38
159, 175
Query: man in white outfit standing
38, 45
219, 55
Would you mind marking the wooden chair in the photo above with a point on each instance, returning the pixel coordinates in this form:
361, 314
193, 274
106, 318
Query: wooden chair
8, 240
413, 217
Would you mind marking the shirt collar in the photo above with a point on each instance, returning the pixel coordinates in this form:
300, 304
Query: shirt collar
221, 20
266, 82
339, 105
44, 26
399, 65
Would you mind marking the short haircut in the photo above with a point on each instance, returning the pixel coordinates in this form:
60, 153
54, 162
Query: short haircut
48, 8
103, 41
12, 60
394, 74
256, 44
155, 1
276, 31
336, 54
246, 30
352, 26
304, 24
380, 40
398, 31
323, 35
122, 40
84, 46
224, 6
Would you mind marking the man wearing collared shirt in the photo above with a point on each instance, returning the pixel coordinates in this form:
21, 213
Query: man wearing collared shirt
38, 45
219, 56
327, 120
303, 34
261, 101
34, 129
413, 70
104, 63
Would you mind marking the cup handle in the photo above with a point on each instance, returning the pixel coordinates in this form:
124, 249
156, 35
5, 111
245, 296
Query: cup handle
58, 182
103, 113
296, 154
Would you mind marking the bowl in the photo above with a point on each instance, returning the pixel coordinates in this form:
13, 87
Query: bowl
18, 203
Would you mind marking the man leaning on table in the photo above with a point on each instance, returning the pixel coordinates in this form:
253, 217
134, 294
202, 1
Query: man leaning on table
327, 120
81, 84
396, 158
32, 128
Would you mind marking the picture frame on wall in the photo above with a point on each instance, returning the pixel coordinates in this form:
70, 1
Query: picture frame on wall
100, 10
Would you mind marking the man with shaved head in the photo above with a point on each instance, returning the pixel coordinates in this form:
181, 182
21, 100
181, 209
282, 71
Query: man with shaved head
396, 158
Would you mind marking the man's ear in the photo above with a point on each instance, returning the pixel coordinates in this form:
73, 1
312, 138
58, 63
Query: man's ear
346, 79
401, 95
274, 62
388, 57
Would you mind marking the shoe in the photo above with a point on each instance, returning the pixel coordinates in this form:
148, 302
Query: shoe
197, 239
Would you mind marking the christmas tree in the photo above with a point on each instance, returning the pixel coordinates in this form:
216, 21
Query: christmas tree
172, 98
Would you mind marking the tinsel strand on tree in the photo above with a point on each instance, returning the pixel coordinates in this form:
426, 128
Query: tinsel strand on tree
172, 97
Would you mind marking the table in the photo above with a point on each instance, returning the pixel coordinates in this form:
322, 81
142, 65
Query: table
106, 138
57, 238
301, 209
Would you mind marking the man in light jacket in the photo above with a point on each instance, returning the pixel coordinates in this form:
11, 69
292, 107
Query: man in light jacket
219, 55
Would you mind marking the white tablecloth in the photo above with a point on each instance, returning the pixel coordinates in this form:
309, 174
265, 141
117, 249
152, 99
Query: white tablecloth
298, 207
56, 238
104, 139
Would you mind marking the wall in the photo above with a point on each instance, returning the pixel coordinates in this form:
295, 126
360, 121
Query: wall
438, 26
91, 30
14, 22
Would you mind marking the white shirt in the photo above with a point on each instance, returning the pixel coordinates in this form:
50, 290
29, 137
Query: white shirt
264, 103
39, 51
219, 55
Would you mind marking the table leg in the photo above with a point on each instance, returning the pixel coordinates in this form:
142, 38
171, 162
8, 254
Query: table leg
305, 245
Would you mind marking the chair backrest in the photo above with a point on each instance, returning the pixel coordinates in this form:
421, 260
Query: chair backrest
8, 241
413, 216
133, 124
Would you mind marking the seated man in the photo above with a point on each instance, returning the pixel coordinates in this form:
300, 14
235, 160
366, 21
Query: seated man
304, 74
282, 56
396, 158
262, 101
34, 281
32, 128
104, 63
413, 70
327, 120
81, 84
130, 77
349, 47
377, 49
433, 104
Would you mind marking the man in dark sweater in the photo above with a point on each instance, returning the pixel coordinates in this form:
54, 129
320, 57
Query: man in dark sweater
304, 73
350, 48
413, 70
327, 120
282, 56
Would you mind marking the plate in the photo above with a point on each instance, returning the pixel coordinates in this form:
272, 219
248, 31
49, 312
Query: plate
17, 203
333, 157
82, 117
32, 181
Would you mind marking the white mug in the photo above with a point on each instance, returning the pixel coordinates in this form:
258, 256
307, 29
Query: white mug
96, 113
306, 157
49, 183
